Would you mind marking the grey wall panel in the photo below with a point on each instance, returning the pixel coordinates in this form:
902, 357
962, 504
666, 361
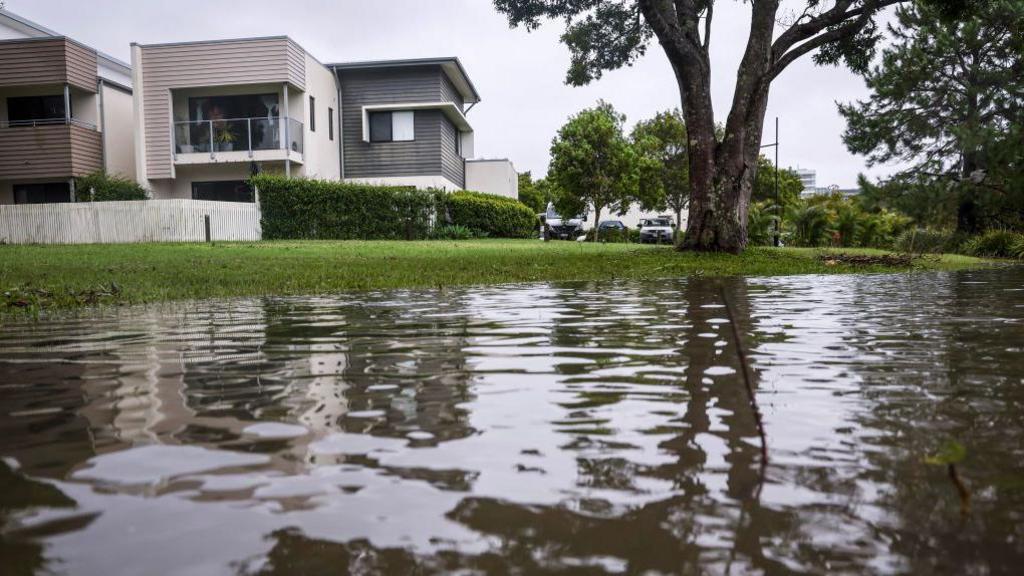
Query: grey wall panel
432, 153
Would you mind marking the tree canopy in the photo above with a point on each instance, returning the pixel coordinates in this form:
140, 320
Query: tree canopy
604, 35
594, 164
948, 98
665, 182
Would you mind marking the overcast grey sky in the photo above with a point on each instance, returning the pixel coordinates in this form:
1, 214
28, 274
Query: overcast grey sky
520, 75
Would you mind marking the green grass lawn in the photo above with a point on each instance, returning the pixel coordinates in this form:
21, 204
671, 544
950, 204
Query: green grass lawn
42, 277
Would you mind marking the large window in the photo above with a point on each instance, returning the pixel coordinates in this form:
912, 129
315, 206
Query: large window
231, 107
222, 191
23, 110
48, 193
398, 126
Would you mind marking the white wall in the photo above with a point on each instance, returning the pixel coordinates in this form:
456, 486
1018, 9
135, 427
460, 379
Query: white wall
497, 177
321, 156
181, 185
118, 136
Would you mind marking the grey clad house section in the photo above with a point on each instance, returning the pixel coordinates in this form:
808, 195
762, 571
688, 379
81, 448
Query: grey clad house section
435, 150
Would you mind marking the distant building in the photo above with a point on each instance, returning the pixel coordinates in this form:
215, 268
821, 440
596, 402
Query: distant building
808, 178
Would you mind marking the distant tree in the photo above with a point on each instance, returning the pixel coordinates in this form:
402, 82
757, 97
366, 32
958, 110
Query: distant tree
790, 185
531, 194
665, 182
609, 34
594, 164
948, 97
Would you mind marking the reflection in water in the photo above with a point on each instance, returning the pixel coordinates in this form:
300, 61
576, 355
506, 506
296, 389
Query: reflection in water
571, 427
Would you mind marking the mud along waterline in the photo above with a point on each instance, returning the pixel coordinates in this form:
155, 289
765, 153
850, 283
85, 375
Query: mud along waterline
600, 427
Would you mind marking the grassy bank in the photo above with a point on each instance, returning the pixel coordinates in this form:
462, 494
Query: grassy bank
43, 277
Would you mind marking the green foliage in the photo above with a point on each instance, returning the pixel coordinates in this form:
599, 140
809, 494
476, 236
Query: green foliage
761, 224
951, 452
926, 241
102, 187
810, 225
594, 164
946, 99
764, 184
995, 244
615, 236
451, 232
665, 169
323, 210
532, 193
490, 215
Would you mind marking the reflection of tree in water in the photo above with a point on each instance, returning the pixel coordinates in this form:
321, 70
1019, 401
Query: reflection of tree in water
704, 523
952, 371
20, 551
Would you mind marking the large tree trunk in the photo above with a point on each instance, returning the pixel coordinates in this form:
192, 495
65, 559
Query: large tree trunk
597, 221
721, 173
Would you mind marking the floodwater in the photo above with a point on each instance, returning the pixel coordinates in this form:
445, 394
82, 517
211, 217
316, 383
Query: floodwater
575, 428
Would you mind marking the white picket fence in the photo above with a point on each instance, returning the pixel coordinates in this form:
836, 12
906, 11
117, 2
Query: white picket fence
128, 222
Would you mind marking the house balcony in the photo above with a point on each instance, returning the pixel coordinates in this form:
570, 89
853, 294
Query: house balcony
49, 149
238, 140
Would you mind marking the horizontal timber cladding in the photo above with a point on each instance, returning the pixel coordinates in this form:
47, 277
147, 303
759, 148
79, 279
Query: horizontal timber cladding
433, 152
167, 67
51, 60
58, 151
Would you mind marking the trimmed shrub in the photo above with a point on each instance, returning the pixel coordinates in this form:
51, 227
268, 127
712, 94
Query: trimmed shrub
102, 187
322, 210
490, 215
995, 244
923, 241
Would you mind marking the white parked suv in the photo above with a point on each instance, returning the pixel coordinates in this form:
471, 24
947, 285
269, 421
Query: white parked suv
660, 230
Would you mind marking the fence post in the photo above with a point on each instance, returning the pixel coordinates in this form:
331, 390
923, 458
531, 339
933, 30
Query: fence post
206, 224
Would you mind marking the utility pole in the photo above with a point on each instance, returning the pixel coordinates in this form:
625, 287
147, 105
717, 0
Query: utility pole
778, 204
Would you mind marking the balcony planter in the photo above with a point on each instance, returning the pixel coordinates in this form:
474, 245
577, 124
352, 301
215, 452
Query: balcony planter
225, 146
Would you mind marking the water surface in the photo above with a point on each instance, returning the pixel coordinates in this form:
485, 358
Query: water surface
580, 427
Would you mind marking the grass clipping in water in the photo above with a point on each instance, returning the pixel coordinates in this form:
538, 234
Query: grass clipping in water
892, 260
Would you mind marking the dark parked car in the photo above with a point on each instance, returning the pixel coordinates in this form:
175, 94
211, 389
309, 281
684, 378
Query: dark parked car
611, 225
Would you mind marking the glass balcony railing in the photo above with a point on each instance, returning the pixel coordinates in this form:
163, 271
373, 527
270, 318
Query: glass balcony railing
237, 135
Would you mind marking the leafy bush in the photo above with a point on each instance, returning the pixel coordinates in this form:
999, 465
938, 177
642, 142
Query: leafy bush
614, 236
996, 244
102, 187
322, 210
810, 226
924, 241
490, 215
761, 224
454, 232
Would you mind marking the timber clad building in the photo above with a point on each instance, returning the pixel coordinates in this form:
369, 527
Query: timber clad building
193, 120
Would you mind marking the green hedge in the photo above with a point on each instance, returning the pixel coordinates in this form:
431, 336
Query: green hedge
322, 210
102, 187
490, 215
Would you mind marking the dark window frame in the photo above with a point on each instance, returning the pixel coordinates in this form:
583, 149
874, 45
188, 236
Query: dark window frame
211, 193
381, 126
312, 114
24, 110
330, 123
52, 193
